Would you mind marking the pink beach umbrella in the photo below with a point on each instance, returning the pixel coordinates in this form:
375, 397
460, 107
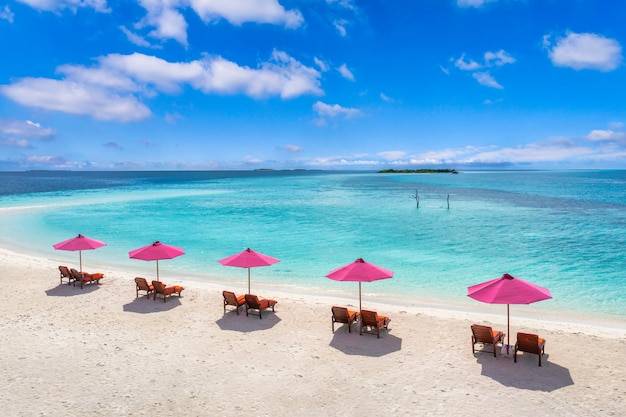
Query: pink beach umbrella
248, 259
508, 290
156, 252
79, 243
360, 271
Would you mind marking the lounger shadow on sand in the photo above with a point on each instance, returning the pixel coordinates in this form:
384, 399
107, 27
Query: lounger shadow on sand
146, 305
525, 374
353, 344
240, 323
64, 290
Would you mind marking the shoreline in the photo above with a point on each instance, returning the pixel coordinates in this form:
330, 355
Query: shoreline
521, 316
101, 351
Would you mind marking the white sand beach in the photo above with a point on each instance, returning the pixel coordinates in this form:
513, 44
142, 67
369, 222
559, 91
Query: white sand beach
100, 351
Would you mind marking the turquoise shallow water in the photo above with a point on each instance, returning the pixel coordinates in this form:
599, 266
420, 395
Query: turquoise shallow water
562, 230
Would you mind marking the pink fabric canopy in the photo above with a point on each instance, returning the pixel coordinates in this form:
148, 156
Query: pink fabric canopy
79, 243
508, 290
360, 271
155, 252
248, 259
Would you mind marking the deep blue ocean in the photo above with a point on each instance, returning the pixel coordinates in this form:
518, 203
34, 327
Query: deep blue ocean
565, 230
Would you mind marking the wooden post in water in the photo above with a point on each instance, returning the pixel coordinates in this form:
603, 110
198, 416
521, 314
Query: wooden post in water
448, 201
416, 196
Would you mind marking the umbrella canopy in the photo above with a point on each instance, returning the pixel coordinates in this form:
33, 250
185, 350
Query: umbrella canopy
248, 259
79, 243
508, 290
156, 252
360, 271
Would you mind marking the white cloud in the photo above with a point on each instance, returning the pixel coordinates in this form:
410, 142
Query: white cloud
532, 153
498, 58
51, 161
491, 59
470, 65
344, 161
167, 21
345, 72
24, 129
345, 4
109, 91
484, 78
241, 11
386, 98
14, 143
6, 14
335, 110
473, 3
605, 135
340, 25
282, 76
584, 51
70, 97
134, 38
322, 65
294, 148
73, 5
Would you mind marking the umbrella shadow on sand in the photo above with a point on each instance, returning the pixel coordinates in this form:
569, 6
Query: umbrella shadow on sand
65, 290
365, 345
144, 305
241, 323
526, 374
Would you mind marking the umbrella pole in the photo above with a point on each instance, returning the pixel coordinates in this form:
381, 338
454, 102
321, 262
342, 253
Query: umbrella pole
157, 270
508, 327
360, 296
80, 258
249, 281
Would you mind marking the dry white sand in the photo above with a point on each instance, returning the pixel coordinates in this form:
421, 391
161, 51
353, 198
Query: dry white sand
99, 351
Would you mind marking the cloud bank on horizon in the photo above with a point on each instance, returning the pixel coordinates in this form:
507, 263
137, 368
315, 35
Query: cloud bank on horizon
329, 84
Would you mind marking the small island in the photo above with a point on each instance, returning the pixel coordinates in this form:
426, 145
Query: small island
418, 171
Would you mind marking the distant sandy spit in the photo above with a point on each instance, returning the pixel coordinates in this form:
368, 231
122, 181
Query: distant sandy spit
100, 351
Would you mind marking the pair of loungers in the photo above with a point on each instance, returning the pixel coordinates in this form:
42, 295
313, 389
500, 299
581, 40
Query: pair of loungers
366, 318
251, 303
73, 276
156, 288
526, 342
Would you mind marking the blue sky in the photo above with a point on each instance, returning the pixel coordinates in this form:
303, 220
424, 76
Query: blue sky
312, 84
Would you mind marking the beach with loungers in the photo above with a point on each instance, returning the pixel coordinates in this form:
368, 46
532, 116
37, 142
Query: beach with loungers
103, 350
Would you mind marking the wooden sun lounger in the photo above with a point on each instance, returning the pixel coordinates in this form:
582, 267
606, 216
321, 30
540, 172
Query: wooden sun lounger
529, 343
141, 284
373, 320
86, 278
230, 299
164, 291
345, 316
254, 303
487, 336
65, 273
